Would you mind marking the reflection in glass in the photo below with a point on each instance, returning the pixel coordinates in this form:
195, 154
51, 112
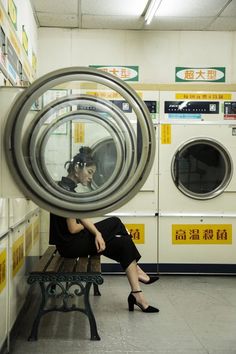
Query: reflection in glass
104, 153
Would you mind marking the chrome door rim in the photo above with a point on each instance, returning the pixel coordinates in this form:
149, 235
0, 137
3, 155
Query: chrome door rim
224, 154
16, 159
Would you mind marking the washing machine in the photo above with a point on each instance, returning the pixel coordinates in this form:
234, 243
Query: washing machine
197, 180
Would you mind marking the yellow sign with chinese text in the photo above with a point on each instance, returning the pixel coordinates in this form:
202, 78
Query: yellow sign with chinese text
17, 255
79, 133
166, 134
137, 232
12, 12
201, 234
203, 96
3, 270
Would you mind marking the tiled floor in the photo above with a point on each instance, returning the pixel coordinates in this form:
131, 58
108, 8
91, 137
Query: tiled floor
197, 316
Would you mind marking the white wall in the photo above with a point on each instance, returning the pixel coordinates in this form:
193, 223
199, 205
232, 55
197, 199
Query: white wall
156, 53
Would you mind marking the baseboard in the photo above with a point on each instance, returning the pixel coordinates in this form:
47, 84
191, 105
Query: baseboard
191, 268
116, 268
175, 268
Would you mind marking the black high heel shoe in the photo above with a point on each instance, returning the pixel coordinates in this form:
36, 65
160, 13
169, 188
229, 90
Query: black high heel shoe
132, 301
150, 281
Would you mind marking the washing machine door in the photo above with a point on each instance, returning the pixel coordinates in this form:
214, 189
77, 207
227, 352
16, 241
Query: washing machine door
64, 111
201, 168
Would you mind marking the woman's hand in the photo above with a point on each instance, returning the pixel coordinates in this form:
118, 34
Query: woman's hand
99, 242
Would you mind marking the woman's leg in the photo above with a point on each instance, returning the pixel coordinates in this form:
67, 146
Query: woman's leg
142, 275
132, 275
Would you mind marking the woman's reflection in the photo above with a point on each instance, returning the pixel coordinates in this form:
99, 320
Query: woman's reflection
80, 170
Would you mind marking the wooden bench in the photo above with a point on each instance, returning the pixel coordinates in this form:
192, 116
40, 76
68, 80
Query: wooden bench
63, 281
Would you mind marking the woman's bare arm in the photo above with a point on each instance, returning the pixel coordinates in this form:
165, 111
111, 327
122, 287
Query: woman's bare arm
73, 226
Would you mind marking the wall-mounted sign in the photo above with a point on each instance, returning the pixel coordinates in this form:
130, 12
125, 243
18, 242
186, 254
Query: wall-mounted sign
137, 232
12, 12
17, 255
214, 74
201, 234
126, 73
79, 133
203, 96
166, 134
3, 269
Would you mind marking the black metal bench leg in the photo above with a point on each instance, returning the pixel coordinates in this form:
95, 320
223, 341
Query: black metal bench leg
96, 291
89, 312
34, 331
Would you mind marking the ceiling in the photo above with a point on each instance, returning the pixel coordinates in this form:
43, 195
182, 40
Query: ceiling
172, 15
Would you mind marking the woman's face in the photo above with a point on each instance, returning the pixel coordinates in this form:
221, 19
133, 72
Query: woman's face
85, 174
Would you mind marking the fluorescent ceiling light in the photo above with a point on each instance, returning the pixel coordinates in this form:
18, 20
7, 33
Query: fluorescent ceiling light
151, 10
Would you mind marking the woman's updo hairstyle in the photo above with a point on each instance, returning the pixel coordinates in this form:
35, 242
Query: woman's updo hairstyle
82, 159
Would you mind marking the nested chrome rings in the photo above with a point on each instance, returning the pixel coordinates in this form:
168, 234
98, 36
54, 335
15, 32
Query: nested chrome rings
38, 142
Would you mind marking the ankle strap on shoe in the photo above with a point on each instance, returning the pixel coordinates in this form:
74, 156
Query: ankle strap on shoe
136, 291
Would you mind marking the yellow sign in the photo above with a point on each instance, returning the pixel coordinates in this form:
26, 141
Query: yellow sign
17, 254
137, 232
79, 133
34, 62
3, 270
203, 96
201, 234
12, 12
28, 239
36, 229
165, 134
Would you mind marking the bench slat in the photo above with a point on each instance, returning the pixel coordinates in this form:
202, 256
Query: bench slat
55, 264
69, 265
43, 262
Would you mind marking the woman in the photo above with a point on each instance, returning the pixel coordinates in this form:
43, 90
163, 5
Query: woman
109, 237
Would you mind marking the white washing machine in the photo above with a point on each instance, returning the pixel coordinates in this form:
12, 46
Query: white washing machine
197, 160
197, 180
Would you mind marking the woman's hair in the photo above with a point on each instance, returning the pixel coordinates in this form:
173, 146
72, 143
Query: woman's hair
83, 158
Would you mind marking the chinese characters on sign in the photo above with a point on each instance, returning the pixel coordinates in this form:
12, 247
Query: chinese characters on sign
136, 231
126, 73
200, 74
202, 234
203, 96
166, 134
17, 255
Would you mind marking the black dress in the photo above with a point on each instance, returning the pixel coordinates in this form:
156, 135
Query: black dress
119, 244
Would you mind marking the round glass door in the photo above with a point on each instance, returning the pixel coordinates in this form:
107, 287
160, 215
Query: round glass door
73, 142
201, 168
